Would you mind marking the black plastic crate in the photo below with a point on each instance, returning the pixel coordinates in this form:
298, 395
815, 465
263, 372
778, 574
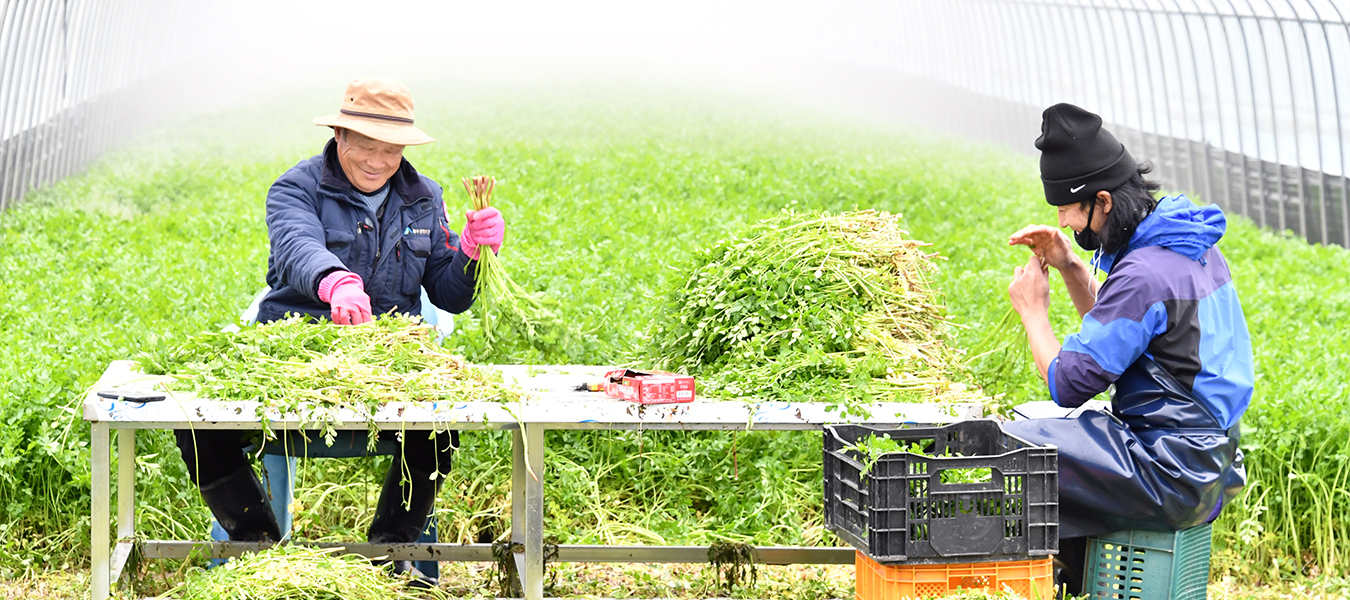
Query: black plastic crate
903, 512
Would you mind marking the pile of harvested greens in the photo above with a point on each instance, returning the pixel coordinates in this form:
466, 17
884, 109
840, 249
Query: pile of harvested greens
298, 366
819, 307
289, 572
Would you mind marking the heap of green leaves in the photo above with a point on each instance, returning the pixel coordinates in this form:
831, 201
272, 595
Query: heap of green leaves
316, 370
288, 572
833, 308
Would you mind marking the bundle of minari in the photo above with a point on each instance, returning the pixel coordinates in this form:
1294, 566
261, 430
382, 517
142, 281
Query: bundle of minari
834, 308
317, 369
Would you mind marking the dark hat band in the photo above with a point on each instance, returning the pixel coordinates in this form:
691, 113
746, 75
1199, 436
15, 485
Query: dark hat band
352, 113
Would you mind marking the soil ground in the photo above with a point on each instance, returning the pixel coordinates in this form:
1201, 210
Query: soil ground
476, 580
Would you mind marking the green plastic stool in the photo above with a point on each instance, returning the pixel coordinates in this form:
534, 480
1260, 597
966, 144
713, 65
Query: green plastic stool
1145, 565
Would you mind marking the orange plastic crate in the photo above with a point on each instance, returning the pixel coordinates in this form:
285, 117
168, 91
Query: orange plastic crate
1031, 579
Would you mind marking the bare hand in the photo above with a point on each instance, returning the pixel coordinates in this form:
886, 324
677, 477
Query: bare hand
1030, 289
1049, 244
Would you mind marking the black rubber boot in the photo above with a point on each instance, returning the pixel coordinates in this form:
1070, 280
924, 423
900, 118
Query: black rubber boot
397, 522
240, 505
1068, 567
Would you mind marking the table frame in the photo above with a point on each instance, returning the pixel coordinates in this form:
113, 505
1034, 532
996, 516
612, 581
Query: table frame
554, 405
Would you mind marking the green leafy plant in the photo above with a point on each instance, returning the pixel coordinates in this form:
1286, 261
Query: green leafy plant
733, 564
288, 572
297, 366
813, 306
872, 447
997, 358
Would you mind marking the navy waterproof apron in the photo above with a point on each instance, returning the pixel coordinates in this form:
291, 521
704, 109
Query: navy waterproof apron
1158, 461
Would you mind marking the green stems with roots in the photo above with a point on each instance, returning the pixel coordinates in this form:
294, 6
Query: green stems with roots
501, 302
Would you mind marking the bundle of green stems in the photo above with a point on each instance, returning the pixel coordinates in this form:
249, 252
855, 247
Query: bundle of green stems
499, 300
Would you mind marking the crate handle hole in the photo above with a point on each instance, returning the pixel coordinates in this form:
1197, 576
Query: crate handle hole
973, 582
968, 475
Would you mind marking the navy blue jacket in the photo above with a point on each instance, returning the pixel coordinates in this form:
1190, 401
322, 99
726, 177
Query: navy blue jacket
317, 224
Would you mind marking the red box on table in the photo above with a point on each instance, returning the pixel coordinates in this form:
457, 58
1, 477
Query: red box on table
649, 387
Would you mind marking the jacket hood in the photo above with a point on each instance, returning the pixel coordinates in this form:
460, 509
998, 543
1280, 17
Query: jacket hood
1178, 225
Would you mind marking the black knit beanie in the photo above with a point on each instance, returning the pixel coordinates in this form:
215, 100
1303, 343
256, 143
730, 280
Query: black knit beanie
1078, 157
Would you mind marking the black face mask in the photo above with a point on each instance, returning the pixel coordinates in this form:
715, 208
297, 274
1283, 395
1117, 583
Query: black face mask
1087, 238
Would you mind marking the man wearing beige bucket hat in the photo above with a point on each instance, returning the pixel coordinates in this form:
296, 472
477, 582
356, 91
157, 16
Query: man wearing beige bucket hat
355, 231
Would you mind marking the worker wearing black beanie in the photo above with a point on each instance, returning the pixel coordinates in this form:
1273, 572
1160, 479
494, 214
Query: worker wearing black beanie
1083, 164
1164, 332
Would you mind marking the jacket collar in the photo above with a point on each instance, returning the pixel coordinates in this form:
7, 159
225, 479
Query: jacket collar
406, 182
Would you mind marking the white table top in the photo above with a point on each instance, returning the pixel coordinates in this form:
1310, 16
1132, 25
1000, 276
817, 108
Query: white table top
552, 402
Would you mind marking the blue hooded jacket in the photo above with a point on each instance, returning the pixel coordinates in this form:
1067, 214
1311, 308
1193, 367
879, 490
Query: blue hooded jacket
1169, 296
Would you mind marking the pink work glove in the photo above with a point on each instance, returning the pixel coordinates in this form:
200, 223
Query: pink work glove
346, 293
483, 228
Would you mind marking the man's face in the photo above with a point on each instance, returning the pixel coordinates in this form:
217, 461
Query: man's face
368, 163
1075, 217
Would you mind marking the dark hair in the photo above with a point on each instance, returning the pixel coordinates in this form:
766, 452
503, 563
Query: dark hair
1130, 203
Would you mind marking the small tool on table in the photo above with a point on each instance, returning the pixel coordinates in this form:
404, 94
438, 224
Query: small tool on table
132, 395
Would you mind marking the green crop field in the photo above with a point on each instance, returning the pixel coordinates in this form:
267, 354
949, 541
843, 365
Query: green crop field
606, 197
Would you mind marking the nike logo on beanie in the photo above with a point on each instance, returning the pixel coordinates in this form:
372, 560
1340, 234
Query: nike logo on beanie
1075, 190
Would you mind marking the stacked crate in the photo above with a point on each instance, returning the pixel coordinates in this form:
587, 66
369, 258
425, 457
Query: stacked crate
1139, 565
920, 533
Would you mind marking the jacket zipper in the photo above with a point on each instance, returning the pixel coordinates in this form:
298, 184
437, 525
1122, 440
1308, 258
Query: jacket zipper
366, 228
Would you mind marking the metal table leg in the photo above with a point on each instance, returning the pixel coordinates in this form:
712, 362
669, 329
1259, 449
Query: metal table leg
527, 507
100, 464
534, 514
126, 483
126, 502
518, 477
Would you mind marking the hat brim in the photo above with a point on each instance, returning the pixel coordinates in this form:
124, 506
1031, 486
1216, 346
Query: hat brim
401, 134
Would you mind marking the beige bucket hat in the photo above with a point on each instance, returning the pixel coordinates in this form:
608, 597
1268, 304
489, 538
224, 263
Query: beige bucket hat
378, 108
